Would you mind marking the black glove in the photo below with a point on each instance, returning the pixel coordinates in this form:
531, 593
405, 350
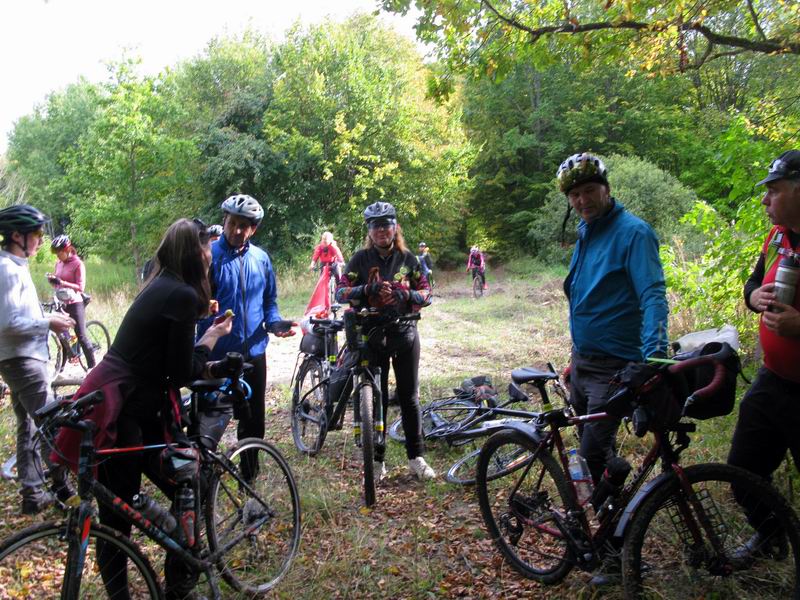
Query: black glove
373, 289
401, 295
55, 280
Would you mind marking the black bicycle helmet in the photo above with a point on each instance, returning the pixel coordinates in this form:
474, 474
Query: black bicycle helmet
244, 206
581, 168
22, 218
60, 242
380, 210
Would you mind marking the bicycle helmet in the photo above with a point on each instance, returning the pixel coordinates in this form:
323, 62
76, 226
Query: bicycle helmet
380, 211
214, 230
581, 168
22, 218
244, 206
423, 245
60, 242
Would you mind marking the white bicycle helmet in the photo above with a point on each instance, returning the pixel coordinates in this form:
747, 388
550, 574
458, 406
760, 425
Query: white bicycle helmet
581, 168
244, 206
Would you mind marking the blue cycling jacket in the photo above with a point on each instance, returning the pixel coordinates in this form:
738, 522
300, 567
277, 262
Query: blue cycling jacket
616, 289
244, 282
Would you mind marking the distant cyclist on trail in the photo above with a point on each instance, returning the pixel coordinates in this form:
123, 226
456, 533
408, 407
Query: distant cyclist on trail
425, 261
326, 252
69, 281
477, 264
331, 261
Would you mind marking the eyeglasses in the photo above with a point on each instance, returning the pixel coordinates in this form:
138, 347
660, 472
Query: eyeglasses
381, 225
39, 233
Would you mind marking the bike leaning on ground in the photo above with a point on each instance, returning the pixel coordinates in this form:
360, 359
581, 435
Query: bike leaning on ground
678, 535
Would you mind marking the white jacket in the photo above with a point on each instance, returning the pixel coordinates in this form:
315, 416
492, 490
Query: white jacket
23, 326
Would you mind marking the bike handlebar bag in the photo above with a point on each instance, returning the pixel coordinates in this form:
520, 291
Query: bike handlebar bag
687, 382
313, 343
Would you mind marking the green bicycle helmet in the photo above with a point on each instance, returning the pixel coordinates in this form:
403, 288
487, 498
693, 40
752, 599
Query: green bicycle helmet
581, 168
22, 218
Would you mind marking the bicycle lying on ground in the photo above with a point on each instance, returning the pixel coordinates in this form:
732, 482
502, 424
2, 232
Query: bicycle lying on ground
684, 531
473, 414
323, 389
65, 348
252, 525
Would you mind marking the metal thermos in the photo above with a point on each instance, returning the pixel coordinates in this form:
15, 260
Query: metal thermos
786, 278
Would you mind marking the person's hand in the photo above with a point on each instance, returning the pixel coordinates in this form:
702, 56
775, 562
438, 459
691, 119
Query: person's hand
223, 324
383, 289
785, 321
54, 280
287, 333
401, 295
761, 298
60, 323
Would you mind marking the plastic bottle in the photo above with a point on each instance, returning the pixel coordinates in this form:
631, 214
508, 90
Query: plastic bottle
581, 476
152, 510
184, 511
786, 278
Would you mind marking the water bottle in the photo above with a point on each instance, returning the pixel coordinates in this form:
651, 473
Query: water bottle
152, 510
184, 511
786, 279
581, 476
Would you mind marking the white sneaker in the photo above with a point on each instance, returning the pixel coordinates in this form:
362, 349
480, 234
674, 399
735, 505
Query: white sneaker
421, 469
379, 470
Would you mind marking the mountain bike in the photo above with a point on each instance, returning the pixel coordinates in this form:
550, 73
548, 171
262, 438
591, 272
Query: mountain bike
682, 530
64, 347
252, 524
320, 402
477, 283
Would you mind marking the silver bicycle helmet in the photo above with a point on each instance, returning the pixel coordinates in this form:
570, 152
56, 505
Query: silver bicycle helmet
244, 206
60, 242
214, 230
380, 210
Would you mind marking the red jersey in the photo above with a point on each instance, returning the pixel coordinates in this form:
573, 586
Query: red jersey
327, 254
781, 353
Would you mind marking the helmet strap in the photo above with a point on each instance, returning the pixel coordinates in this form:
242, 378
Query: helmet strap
564, 222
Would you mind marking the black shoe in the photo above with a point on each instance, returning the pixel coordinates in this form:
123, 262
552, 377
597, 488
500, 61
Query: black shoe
33, 506
609, 573
63, 492
773, 546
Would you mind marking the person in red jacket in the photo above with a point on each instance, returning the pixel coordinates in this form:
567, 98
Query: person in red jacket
477, 264
70, 282
769, 414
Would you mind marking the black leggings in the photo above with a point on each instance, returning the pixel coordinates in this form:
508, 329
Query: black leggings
256, 378
77, 311
402, 348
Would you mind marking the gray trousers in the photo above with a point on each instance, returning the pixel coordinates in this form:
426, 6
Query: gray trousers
590, 377
30, 390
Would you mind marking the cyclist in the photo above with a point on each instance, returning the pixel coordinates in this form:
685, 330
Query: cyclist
23, 348
214, 233
386, 276
244, 282
617, 303
477, 264
769, 415
425, 262
70, 281
153, 355
327, 253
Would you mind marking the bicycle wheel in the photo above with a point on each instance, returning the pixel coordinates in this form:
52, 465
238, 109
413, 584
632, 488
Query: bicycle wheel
438, 418
522, 506
33, 564
100, 341
55, 364
309, 420
259, 515
662, 558
367, 443
477, 287
463, 471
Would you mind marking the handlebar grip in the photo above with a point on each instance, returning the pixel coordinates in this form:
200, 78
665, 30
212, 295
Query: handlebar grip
711, 388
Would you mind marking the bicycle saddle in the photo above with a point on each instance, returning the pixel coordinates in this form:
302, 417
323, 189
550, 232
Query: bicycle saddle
206, 385
529, 374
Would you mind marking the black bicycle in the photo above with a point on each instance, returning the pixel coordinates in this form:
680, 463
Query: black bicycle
64, 347
683, 530
252, 523
322, 393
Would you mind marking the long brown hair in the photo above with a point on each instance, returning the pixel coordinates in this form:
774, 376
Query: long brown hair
182, 252
399, 240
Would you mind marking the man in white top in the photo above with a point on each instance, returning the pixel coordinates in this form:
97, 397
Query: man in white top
23, 348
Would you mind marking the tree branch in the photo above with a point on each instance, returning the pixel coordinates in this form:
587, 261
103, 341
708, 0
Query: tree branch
754, 15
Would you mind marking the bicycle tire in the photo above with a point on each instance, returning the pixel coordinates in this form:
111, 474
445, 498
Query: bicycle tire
309, 418
520, 507
40, 552
477, 287
57, 358
678, 570
262, 557
100, 341
464, 470
367, 442
435, 415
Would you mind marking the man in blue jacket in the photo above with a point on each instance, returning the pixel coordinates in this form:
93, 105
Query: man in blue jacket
617, 298
243, 281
